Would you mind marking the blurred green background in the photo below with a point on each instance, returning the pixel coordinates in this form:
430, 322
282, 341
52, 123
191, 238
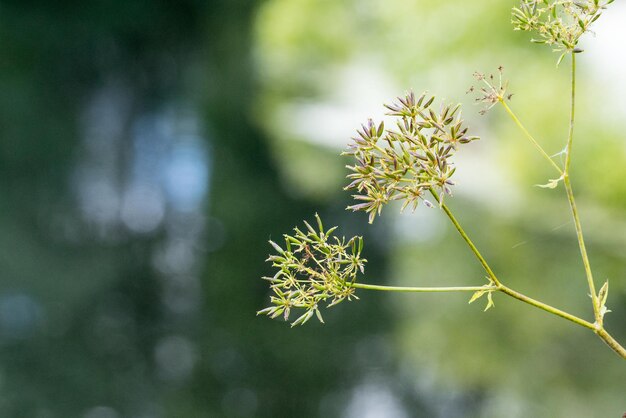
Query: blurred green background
148, 150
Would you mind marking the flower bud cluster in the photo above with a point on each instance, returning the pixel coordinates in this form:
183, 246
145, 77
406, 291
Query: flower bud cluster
314, 266
491, 92
406, 163
558, 23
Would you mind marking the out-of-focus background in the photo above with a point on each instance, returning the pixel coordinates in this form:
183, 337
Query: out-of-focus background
149, 149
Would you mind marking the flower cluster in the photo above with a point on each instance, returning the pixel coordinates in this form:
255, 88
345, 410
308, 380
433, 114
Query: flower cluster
314, 266
491, 93
558, 23
404, 164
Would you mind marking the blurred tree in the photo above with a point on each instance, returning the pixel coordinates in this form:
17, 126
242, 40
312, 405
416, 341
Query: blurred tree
84, 327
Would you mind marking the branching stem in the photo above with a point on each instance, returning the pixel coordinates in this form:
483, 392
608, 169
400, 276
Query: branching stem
598, 326
595, 327
502, 288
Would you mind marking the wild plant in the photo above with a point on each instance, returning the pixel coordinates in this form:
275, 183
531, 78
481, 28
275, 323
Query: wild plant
412, 162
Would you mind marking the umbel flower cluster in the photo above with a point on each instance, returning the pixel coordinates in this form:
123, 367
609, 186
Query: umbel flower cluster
558, 23
490, 93
314, 267
406, 163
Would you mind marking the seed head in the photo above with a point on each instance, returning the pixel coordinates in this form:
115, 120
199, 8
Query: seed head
314, 267
558, 23
490, 91
405, 163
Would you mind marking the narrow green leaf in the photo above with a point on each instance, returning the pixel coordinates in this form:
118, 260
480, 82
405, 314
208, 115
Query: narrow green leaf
319, 223
603, 294
477, 295
276, 247
266, 311
319, 315
381, 129
490, 303
302, 319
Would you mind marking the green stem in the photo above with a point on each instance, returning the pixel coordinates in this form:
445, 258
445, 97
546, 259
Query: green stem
469, 242
572, 201
611, 342
530, 137
500, 286
421, 289
570, 136
546, 307
597, 327
583, 249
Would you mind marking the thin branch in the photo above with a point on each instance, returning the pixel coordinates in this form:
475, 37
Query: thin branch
501, 288
469, 242
570, 136
546, 307
572, 201
530, 137
611, 342
422, 289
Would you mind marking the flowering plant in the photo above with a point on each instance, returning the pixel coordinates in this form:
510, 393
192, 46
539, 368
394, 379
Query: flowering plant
413, 162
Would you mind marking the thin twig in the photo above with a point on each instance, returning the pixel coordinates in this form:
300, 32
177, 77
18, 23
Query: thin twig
530, 137
572, 201
422, 289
